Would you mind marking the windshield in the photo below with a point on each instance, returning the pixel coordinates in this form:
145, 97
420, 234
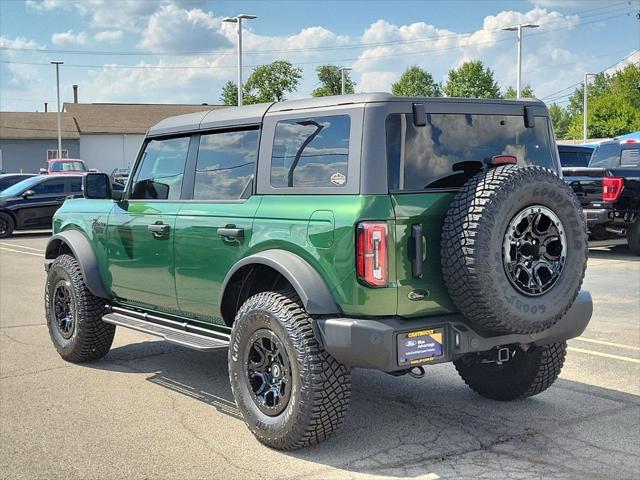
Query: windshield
20, 187
451, 148
70, 166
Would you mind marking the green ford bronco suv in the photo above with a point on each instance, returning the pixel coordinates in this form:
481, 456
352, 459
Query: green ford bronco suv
310, 237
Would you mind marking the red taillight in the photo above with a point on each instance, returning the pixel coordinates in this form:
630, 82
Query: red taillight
612, 188
371, 253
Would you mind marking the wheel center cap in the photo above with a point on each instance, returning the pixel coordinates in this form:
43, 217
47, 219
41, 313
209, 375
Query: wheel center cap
276, 371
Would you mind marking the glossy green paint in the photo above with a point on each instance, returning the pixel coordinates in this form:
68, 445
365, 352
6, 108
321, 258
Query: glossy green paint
141, 266
291, 222
183, 274
428, 210
203, 259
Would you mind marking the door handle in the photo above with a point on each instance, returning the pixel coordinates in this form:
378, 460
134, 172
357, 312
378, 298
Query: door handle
418, 251
231, 232
159, 230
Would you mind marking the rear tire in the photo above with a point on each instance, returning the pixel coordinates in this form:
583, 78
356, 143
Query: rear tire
633, 237
74, 314
527, 373
273, 349
6, 225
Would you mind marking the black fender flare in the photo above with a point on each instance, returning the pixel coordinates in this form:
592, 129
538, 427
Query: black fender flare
81, 249
307, 282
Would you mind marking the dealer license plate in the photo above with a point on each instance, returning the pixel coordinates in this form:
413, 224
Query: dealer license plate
420, 346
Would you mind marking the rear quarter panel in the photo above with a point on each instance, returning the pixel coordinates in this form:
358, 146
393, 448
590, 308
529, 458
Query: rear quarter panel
302, 225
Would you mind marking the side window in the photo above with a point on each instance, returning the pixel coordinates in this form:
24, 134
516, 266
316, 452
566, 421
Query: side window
161, 171
569, 159
226, 165
50, 186
311, 152
75, 184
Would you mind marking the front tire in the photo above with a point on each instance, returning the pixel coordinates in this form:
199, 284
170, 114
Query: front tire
526, 373
74, 314
6, 225
291, 393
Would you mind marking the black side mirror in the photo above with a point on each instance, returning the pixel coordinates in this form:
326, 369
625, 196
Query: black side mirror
97, 186
28, 193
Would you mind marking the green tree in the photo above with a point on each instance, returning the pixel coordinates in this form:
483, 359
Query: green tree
614, 105
229, 94
560, 119
472, 80
527, 92
270, 83
416, 82
330, 79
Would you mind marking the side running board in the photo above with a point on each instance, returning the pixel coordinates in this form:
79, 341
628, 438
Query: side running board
179, 333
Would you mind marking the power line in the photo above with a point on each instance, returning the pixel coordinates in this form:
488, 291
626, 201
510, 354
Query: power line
554, 94
318, 62
617, 8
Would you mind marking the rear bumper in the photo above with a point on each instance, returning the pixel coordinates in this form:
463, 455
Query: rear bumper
596, 216
372, 343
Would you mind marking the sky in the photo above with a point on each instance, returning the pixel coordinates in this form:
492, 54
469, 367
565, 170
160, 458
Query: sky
180, 51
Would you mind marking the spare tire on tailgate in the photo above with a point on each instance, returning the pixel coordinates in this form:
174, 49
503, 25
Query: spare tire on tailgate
514, 249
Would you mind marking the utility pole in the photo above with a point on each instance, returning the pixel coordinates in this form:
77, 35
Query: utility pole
343, 76
518, 28
57, 64
584, 105
238, 20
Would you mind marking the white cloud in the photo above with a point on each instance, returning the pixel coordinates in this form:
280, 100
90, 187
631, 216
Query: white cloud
631, 58
109, 36
69, 38
174, 28
18, 76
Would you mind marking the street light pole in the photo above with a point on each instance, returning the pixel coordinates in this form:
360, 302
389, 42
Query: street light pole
518, 28
343, 76
584, 106
57, 64
238, 21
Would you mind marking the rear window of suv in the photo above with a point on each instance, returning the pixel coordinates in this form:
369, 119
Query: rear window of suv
451, 148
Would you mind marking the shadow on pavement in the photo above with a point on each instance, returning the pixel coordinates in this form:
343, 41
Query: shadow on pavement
399, 426
618, 252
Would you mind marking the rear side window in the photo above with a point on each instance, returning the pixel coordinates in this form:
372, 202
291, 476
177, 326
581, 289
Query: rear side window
311, 152
76, 185
50, 186
451, 148
161, 171
570, 159
226, 165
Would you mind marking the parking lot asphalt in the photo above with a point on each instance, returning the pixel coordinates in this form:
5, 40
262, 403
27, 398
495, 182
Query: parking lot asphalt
152, 410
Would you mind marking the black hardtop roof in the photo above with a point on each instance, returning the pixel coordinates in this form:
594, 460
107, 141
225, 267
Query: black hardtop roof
252, 114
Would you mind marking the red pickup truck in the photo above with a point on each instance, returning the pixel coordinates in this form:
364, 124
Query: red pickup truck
65, 166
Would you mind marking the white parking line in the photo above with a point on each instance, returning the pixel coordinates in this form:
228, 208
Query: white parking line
5, 244
20, 251
606, 355
610, 344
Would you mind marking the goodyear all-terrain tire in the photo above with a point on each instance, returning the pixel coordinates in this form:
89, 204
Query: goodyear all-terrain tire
291, 392
514, 249
6, 225
525, 374
74, 314
633, 237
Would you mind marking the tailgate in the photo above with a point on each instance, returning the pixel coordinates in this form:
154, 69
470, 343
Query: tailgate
586, 184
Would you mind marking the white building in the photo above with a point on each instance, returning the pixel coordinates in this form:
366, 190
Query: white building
111, 133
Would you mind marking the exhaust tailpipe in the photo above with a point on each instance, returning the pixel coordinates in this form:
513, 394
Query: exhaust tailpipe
618, 231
